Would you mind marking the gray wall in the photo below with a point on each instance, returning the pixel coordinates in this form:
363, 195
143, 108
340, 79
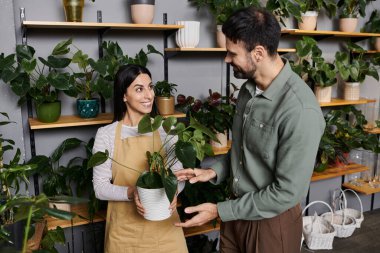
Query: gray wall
195, 73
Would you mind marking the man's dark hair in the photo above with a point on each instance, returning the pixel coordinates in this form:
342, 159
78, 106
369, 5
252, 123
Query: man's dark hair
253, 26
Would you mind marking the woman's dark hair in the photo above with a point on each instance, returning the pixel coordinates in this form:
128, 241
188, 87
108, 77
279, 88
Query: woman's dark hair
253, 26
123, 79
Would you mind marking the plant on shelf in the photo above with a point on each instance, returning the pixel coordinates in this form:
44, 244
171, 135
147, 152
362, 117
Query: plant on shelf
350, 10
164, 98
373, 26
353, 70
310, 9
190, 147
37, 78
283, 9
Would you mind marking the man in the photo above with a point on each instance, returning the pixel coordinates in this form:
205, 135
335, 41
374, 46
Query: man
276, 133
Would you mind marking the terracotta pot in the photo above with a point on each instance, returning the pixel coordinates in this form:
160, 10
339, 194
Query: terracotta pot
377, 44
73, 10
165, 105
348, 24
309, 20
323, 94
352, 91
222, 137
142, 11
220, 37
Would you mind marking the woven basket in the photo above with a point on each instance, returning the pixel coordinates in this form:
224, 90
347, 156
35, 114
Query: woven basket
318, 232
358, 215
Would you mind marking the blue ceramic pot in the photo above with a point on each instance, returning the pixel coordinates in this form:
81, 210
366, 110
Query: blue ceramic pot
88, 108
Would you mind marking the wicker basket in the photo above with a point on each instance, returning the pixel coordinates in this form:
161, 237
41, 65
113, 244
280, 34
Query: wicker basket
358, 215
317, 232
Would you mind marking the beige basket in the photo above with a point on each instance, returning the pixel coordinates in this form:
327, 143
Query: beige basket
317, 232
358, 215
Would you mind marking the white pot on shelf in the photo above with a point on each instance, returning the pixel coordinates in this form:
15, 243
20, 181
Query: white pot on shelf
323, 94
309, 20
155, 203
351, 90
188, 37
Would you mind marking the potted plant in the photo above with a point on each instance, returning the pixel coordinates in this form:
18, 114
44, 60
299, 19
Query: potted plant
350, 10
217, 114
221, 10
37, 78
353, 70
309, 12
164, 97
142, 11
74, 10
159, 181
373, 26
283, 10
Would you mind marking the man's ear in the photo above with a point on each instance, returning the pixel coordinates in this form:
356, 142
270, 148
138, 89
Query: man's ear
258, 53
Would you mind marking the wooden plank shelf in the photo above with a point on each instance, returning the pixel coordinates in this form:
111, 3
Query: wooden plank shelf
206, 228
95, 25
216, 49
340, 102
328, 33
53, 223
373, 131
365, 188
75, 121
336, 171
222, 151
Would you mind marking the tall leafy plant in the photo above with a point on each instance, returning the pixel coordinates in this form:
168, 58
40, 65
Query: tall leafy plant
317, 5
352, 8
283, 9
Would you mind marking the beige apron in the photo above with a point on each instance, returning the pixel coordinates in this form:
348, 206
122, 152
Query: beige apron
126, 230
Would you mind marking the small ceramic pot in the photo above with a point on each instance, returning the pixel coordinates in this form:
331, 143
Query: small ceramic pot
155, 202
48, 112
142, 11
323, 94
309, 20
220, 37
352, 91
165, 105
88, 108
348, 24
188, 37
73, 10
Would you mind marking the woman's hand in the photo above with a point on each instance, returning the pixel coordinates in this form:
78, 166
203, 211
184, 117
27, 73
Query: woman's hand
140, 208
130, 192
173, 205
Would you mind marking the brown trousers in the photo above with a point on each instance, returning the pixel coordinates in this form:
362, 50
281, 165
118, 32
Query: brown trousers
280, 234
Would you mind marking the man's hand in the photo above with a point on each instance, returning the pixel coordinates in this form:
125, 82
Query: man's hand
195, 175
206, 212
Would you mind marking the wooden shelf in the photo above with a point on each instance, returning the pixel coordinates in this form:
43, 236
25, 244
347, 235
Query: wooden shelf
328, 33
336, 172
373, 131
175, 115
53, 223
365, 188
217, 49
339, 102
94, 25
209, 227
222, 151
70, 121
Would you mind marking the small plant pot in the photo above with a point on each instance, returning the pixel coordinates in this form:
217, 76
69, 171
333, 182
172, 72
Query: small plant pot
48, 112
165, 105
188, 37
73, 10
155, 202
88, 108
60, 206
309, 20
377, 44
352, 91
222, 137
323, 94
220, 37
348, 24
142, 11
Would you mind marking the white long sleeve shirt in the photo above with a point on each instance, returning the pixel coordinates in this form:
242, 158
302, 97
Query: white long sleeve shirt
102, 174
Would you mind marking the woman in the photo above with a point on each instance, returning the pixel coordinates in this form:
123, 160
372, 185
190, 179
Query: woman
126, 230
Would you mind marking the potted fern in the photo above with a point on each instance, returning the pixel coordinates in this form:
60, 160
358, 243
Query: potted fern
159, 181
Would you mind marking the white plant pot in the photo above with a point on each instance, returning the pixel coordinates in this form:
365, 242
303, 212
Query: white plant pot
309, 20
348, 24
155, 203
187, 37
60, 206
352, 91
220, 37
142, 13
222, 137
323, 94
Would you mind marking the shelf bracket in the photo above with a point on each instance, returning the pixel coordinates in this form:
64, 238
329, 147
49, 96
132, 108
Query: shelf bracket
101, 33
24, 39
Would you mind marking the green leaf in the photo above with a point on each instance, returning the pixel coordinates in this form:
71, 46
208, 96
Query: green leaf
55, 62
186, 154
52, 237
25, 52
196, 125
147, 126
66, 145
149, 180
169, 181
62, 47
60, 214
97, 159
168, 124
28, 66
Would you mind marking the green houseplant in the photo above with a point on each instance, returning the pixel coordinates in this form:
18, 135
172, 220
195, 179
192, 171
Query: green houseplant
190, 148
350, 10
310, 9
283, 10
353, 70
37, 78
373, 26
164, 92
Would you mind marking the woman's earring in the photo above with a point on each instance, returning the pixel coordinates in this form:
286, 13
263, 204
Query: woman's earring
125, 100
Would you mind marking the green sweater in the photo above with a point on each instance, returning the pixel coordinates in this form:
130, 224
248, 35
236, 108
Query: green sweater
275, 141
